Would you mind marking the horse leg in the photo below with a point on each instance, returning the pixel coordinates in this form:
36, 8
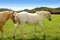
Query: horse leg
16, 25
43, 28
34, 33
22, 29
1, 29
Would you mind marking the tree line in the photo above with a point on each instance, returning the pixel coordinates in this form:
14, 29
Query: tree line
52, 10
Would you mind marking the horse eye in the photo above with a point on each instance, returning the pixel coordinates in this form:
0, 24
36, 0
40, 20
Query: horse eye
13, 16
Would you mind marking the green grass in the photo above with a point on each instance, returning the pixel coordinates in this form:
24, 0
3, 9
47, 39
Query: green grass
52, 30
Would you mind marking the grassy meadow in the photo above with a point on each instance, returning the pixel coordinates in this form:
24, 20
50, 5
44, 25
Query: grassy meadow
52, 29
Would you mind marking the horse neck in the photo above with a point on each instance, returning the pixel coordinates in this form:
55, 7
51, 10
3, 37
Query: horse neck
6, 15
41, 16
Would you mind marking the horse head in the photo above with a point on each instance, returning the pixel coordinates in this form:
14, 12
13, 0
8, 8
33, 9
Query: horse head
46, 14
13, 17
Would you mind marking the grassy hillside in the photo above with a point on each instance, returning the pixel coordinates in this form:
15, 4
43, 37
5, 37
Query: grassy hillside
52, 30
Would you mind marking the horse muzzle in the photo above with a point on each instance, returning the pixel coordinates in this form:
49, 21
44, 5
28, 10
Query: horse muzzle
50, 19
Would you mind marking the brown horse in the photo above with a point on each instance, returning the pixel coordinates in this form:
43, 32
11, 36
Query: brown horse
4, 16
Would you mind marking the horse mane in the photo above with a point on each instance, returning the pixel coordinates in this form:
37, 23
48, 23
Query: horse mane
43, 12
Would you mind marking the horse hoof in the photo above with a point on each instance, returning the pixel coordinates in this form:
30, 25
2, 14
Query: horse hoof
13, 36
44, 35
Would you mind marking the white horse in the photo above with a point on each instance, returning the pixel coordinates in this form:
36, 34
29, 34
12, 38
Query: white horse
35, 18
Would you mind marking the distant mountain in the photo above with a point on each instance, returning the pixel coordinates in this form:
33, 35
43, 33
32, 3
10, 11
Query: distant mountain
5, 9
40, 8
52, 10
58, 8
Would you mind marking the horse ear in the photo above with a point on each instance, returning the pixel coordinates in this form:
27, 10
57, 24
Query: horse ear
13, 12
